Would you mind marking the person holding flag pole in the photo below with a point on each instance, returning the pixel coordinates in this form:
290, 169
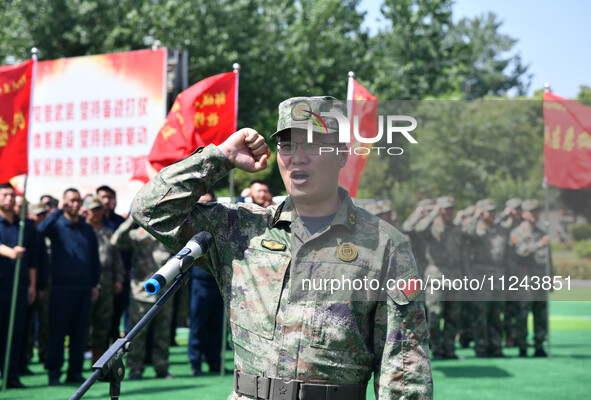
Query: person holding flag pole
16, 256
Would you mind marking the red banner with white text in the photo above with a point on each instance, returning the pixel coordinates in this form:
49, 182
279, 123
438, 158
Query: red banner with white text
567, 142
15, 103
203, 114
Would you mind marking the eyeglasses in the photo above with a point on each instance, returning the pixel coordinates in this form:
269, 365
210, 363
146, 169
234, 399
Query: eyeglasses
289, 148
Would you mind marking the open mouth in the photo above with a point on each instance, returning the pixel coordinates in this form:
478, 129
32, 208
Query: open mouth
299, 177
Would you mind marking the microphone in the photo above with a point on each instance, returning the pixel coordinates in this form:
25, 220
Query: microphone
195, 248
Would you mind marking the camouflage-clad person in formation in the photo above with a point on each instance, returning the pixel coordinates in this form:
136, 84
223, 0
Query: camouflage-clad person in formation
111, 282
466, 335
488, 242
419, 247
510, 219
529, 255
148, 255
444, 255
290, 342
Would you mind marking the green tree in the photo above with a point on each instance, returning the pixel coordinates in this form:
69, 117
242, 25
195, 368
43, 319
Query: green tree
489, 68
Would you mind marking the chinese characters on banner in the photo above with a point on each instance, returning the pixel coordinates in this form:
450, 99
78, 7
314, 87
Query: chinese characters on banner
203, 114
94, 121
567, 142
365, 106
15, 98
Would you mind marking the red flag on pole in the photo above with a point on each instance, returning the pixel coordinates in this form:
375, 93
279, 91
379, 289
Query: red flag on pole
364, 106
15, 104
203, 114
567, 142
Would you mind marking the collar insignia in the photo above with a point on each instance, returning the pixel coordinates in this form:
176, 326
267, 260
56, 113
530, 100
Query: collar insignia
273, 245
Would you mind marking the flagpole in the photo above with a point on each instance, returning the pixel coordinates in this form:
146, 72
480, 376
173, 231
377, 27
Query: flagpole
350, 87
236, 68
548, 255
21, 235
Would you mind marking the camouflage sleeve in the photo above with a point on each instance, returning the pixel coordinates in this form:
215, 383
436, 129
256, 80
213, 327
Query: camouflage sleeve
167, 205
118, 267
410, 223
403, 367
470, 228
500, 217
424, 224
120, 238
525, 246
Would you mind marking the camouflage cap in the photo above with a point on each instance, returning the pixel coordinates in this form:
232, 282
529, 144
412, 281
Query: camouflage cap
486, 204
91, 202
39, 209
468, 211
513, 203
529, 205
446, 202
301, 112
425, 202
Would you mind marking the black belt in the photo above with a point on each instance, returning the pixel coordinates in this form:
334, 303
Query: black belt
262, 387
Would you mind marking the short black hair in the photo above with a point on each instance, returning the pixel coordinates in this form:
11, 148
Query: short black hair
106, 188
52, 202
6, 185
71, 189
260, 182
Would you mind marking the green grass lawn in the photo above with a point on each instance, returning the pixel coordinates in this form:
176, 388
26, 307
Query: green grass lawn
566, 375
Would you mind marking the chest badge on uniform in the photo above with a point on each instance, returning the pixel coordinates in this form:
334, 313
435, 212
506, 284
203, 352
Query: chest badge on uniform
347, 252
273, 245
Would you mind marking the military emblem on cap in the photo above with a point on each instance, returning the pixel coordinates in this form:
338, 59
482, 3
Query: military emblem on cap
529, 205
91, 202
305, 112
487, 204
300, 111
39, 209
446, 201
347, 252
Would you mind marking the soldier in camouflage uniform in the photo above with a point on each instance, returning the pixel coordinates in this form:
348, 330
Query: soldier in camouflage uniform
444, 256
510, 219
529, 255
288, 342
467, 312
488, 242
419, 247
148, 255
111, 282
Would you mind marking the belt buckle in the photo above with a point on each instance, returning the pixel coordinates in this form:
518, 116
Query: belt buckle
284, 390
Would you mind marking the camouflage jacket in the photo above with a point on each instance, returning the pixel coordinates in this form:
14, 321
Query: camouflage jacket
419, 245
110, 258
525, 257
444, 244
148, 255
488, 247
259, 258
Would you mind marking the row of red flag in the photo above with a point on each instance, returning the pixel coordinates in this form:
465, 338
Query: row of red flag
206, 113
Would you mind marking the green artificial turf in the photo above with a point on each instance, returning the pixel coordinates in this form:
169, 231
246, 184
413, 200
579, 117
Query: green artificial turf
566, 375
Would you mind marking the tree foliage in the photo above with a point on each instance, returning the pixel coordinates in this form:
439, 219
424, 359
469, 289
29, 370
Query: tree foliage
305, 48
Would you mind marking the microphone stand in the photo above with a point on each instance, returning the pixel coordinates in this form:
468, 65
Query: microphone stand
110, 368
